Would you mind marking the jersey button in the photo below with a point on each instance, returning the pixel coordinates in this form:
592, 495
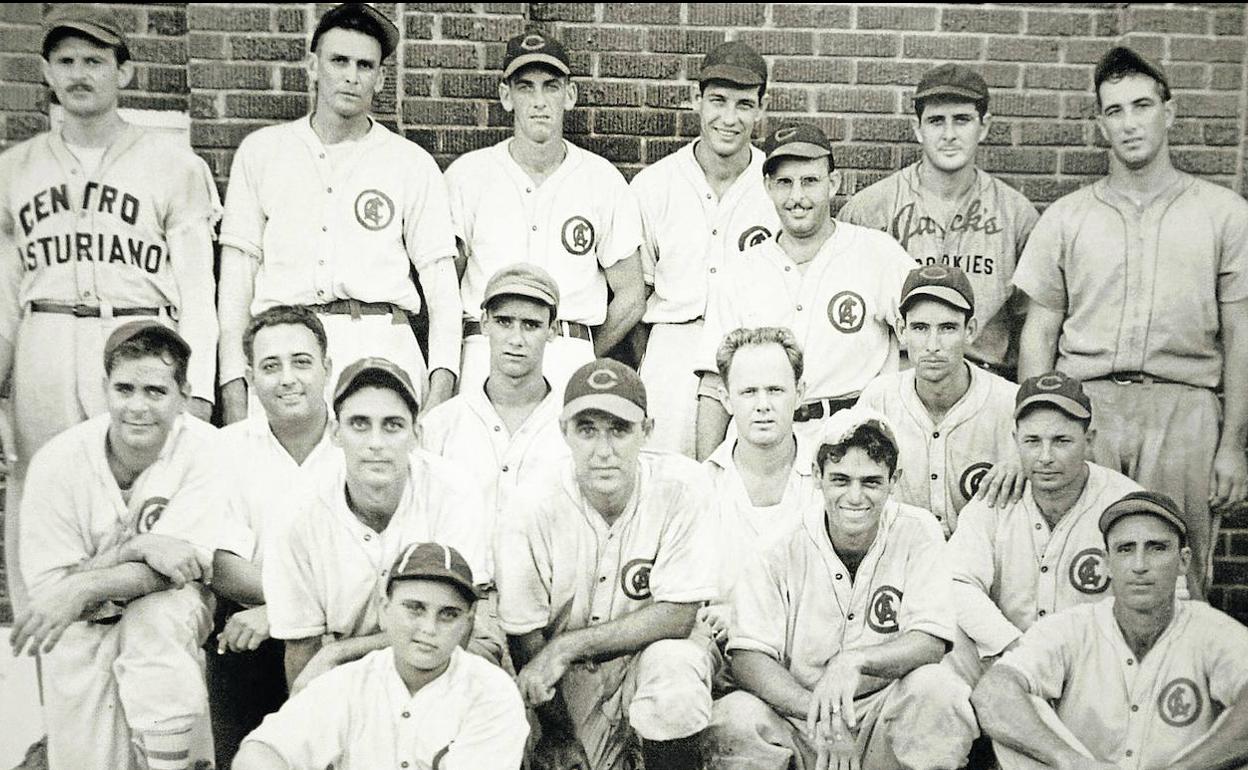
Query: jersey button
714, 232
936, 434
406, 714
329, 189
787, 268
839, 576
1135, 708
602, 578
367, 538
1042, 613
712, 270
934, 476
497, 428
324, 228
321, 156
1129, 752
505, 469
850, 616
534, 228
799, 308
594, 618
403, 763
1044, 568
528, 189
708, 196
1130, 661
1037, 525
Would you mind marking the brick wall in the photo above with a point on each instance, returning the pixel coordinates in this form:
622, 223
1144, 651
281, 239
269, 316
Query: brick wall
236, 67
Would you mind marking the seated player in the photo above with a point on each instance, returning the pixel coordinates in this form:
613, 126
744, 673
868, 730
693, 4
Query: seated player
1138, 680
602, 565
839, 626
419, 702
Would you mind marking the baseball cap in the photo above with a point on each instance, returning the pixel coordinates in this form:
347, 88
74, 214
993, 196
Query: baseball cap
952, 80
146, 327
947, 284
1120, 60
352, 378
1056, 388
1145, 502
339, 15
607, 386
796, 140
535, 48
522, 279
841, 425
95, 21
434, 561
734, 62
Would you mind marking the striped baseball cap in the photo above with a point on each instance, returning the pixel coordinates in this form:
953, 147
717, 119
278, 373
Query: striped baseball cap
434, 561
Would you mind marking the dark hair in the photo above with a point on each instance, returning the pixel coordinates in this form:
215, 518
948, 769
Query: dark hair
769, 165
374, 378
981, 105
1125, 66
145, 344
489, 306
868, 438
1177, 531
765, 335
284, 315
705, 84
354, 22
1084, 423
120, 52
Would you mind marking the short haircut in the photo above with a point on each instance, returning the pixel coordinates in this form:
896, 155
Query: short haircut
769, 165
355, 22
284, 315
869, 439
1122, 67
763, 335
981, 105
705, 84
1084, 423
489, 306
147, 344
374, 378
121, 52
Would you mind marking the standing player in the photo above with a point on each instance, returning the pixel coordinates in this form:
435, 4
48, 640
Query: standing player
601, 568
945, 211
108, 222
1139, 680
833, 284
331, 211
700, 207
538, 198
954, 421
1139, 288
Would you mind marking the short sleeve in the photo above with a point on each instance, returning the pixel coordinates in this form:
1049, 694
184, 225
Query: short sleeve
649, 234
1044, 655
970, 555
859, 210
494, 730
50, 536
243, 223
427, 229
1233, 243
194, 201
684, 567
896, 264
1226, 659
624, 233
1040, 274
927, 605
459, 197
721, 318
522, 566
296, 611
311, 730
759, 605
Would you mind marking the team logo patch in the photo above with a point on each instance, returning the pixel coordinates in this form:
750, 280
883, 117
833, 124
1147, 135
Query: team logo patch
602, 379
785, 134
882, 612
150, 512
635, 578
532, 42
1087, 571
847, 312
934, 272
752, 236
374, 209
577, 235
1049, 382
1180, 703
971, 478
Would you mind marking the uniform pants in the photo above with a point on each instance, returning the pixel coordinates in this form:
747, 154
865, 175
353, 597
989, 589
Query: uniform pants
563, 356
923, 721
387, 336
104, 686
671, 385
964, 661
243, 688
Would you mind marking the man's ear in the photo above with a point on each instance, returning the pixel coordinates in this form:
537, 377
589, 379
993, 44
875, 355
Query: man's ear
504, 96
125, 73
836, 180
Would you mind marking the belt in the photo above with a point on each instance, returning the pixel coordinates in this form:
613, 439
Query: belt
566, 329
355, 308
824, 407
93, 311
1135, 378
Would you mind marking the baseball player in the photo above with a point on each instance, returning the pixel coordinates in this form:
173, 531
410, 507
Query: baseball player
321, 574
700, 206
419, 702
1139, 288
1139, 680
945, 211
954, 421
839, 627
538, 198
835, 285
601, 567
109, 222
332, 211
120, 521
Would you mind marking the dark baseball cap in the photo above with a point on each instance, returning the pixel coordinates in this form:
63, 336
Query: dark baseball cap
1121, 60
606, 386
365, 370
1147, 503
341, 16
796, 140
523, 279
147, 327
952, 80
97, 22
734, 62
434, 561
947, 284
1056, 388
535, 48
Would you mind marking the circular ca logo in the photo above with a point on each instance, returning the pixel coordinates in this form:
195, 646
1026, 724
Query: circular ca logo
635, 578
577, 235
882, 612
532, 42
785, 134
968, 484
1180, 703
934, 272
374, 209
752, 236
150, 512
1087, 571
847, 312
1049, 382
602, 379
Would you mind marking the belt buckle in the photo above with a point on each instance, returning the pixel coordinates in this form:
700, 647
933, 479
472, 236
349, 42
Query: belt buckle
1121, 380
81, 310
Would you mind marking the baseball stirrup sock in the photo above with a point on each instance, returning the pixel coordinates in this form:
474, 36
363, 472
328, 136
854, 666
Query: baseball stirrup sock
169, 750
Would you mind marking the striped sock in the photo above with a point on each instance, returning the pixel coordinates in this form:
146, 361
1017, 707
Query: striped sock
168, 750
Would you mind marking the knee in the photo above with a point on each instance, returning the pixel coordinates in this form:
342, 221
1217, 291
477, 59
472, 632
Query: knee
177, 616
740, 713
673, 696
937, 684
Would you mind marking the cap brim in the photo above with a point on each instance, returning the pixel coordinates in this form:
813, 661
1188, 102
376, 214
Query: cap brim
525, 60
1141, 508
345, 386
88, 29
945, 294
732, 74
1067, 405
614, 405
799, 150
519, 290
443, 576
949, 90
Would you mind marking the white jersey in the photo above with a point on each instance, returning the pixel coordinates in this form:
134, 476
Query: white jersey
579, 221
943, 463
690, 232
326, 575
361, 716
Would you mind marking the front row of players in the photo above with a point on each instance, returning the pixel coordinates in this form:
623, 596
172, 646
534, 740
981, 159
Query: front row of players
823, 638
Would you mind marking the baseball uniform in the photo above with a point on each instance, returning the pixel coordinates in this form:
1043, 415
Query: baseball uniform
561, 567
983, 234
796, 602
943, 463
135, 670
360, 716
578, 222
1135, 713
330, 223
689, 233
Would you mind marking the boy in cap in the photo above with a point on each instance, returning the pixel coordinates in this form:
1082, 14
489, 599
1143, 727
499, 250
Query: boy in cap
954, 420
1139, 287
538, 198
332, 211
1137, 680
602, 565
701, 206
420, 698
834, 284
945, 211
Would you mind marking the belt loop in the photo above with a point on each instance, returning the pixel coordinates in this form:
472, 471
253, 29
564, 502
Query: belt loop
398, 316
353, 306
106, 310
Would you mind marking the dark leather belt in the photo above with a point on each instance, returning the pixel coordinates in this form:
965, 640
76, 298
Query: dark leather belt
566, 329
355, 308
1135, 378
824, 407
93, 311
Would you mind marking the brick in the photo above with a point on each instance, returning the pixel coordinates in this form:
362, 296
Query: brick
888, 72
227, 135
788, 99
481, 29
1205, 161
855, 44
617, 149
1207, 105
561, 11
727, 15
1206, 49
296, 79
18, 128
1057, 78
441, 112
265, 106
944, 46
596, 38
1062, 23
1079, 106
155, 49
1025, 105
968, 19
203, 45
1022, 49
420, 84
1228, 21
418, 26
154, 102
811, 70
514, 9
863, 156
268, 48
634, 122
1187, 132
811, 15
769, 41
834, 128
1143, 18
1230, 572
218, 75
881, 130
657, 149
291, 20
1090, 162
1221, 134
1188, 75
669, 96
21, 69
857, 100
469, 85
208, 17
895, 17
170, 22
21, 97
677, 40
610, 93
205, 106
642, 13
1106, 24
171, 80
460, 141
440, 55
20, 40
999, 132
908, 155
1226, 78
999, 75
1152, 46
21, 13
1024, 160
687, 124
1063, 134
1237, 543
627, 65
